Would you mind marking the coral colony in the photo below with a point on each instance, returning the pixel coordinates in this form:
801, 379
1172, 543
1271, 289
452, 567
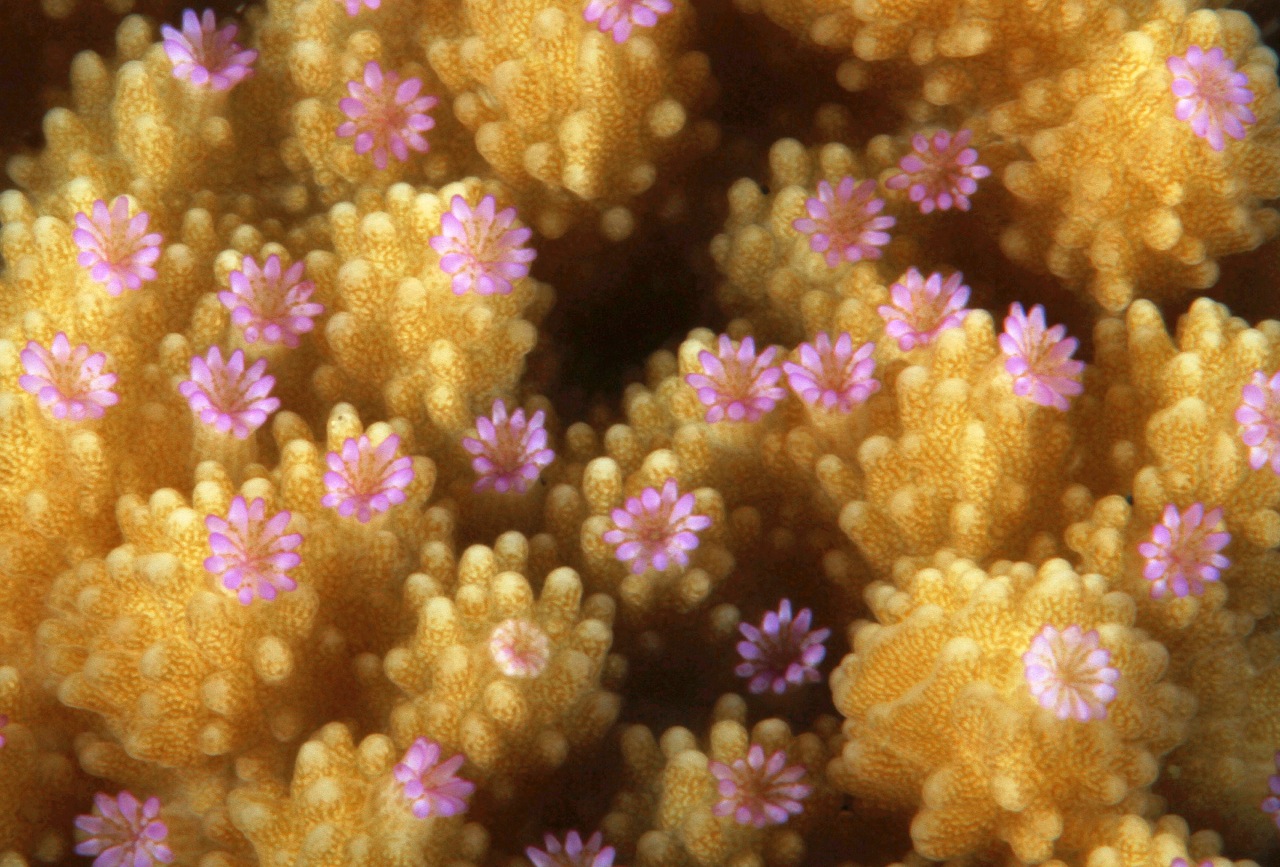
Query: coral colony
362, 504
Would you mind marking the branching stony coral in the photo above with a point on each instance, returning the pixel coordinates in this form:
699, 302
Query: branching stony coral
959, 54
772, 273
398, 332
1093, 103
35, 777
724, 801
1161, 238
1216, 650
1183, 445
512, 681
347, 803
318, 547
941, 713
229, 689
572, 118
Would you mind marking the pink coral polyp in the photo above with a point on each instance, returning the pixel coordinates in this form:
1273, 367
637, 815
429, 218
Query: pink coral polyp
833, 376
782, 652
269, 303
480, 249
432, 787
922, 308
228, 397
353, 6
656, 529
1069, 673
736, 384
1039, 359
1211, 95
1183, 553
363, 480
68, 381
1259, 417
942, 172
1271, 804
519, 648
207, 56
252, 554
510, 451
386, 115
574, 853
117, 249
758, 792
121, 831
618, 17
843, 221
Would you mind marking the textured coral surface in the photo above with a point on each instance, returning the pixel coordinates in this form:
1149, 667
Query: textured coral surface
640, 433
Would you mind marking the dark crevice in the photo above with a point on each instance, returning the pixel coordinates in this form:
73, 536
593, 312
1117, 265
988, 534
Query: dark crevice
617, 305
